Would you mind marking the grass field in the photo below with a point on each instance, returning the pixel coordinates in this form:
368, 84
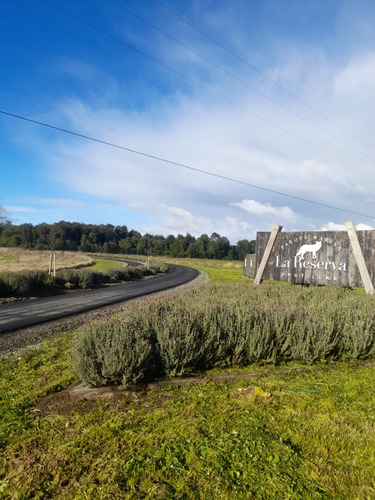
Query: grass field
217, 270
287, 432
18, 259
103, 264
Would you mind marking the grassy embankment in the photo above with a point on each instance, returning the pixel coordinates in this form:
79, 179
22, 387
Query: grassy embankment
217, 270
289, 432
18, 260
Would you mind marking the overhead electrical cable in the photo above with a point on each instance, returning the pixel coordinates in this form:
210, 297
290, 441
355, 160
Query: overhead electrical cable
244, 82
244, 61
180, 165
207, 89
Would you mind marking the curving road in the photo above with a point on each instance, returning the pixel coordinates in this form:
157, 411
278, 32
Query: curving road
23, 314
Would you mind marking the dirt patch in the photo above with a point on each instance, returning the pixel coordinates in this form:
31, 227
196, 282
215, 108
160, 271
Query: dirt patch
82, 399
60, 403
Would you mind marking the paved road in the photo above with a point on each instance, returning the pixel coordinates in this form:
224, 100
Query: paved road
22, 314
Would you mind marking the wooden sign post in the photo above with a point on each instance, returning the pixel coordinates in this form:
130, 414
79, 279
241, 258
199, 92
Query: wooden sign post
271, 242
358, 254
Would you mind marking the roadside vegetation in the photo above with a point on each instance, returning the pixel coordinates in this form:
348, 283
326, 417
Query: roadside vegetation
225, 325
25, 272
284, 429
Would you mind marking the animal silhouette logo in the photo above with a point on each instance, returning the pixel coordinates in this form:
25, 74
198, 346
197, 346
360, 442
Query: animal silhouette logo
309, 248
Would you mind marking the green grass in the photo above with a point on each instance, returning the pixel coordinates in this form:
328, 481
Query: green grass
28, 377
287, 433
103, 264
9, 258
217, 270
291, 432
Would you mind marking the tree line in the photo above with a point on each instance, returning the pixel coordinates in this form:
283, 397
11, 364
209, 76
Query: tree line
106, 238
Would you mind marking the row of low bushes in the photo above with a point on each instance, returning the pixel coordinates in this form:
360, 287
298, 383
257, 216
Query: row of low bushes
225, 325
23, 283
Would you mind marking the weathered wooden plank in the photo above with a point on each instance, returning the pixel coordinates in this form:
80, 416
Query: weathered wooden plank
249, 265
333, 263
358, 255
275, 231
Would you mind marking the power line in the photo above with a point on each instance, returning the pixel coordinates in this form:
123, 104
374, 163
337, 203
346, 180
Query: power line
177, 164
254, 89
207, 89
239, 58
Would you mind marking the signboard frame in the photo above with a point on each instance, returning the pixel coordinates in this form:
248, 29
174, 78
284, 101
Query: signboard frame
344, 258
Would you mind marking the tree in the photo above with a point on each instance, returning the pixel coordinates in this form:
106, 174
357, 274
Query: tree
84, 245
177, 248
4, 218
200, 247
242, 248
158, 244
213, 246
44, 238
27, 235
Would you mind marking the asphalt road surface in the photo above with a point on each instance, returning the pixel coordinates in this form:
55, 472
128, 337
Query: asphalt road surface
23, 314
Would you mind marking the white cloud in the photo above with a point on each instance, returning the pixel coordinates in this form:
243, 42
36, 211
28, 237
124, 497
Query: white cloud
332, 226
19, 209
254, 207
173, 220
199, 131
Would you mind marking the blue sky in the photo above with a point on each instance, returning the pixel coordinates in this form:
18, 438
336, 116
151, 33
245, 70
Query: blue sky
274, 94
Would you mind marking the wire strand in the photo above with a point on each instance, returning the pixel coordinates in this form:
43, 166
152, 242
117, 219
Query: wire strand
207, 89
177, 164
243, 82
241, 59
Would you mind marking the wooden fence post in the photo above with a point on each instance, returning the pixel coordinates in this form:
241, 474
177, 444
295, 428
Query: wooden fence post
271, 242
358, 255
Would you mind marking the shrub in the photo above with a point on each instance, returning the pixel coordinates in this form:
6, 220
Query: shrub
111, 352
135, 273
86, 278
226, 325
116, 274
22, 283
68, 278
16, 283
4, 289
39, 280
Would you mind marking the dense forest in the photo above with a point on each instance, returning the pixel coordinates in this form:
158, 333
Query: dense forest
118, 239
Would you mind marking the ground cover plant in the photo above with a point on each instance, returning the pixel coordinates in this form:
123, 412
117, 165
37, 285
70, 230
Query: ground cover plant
286, 432
226, 325
289, 431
